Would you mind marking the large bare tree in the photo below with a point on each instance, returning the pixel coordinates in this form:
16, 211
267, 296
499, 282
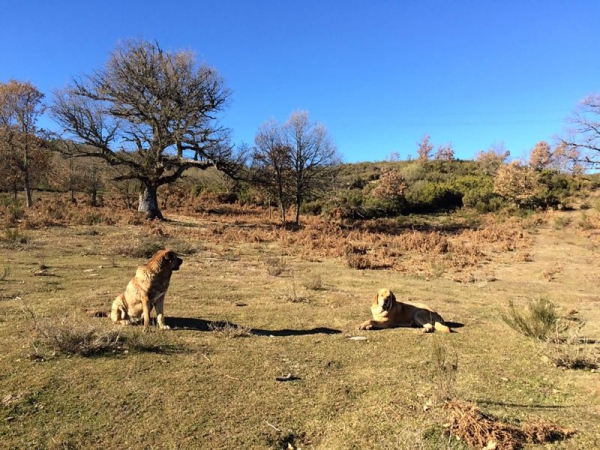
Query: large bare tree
582, 138
20, 148
150, 113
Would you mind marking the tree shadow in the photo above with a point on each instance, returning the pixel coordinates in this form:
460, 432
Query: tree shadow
190, 323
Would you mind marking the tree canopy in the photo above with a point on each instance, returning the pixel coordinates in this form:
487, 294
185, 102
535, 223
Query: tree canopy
150, 113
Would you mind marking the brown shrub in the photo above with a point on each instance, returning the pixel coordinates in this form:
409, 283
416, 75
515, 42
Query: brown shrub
481, 430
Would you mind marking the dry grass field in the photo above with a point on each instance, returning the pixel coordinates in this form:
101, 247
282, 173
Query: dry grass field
261, 352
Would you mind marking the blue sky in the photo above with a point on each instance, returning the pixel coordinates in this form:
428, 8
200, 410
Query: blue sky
378, 74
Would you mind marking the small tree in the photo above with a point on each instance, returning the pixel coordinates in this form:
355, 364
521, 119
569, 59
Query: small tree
152, 115
76, 173
425, 148
491, 160
541, 156
390, 189
21, 149
517, 183
445, 153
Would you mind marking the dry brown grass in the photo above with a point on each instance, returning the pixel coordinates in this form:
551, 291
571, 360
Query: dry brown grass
211, 391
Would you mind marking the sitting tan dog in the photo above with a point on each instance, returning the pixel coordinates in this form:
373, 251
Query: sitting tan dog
146, 291
389, 313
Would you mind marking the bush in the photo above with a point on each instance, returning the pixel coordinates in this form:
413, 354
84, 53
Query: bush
313, 282
275, 266
541, 322
425, 196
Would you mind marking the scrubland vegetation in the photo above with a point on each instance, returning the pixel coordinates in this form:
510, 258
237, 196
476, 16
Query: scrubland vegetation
256, 302
264, 350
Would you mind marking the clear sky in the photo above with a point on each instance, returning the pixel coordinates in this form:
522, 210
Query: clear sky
378, 74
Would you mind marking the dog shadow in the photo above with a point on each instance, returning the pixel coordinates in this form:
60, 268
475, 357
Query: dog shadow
190, 323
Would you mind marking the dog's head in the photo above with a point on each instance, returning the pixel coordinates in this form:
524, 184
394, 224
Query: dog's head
166, 260
385, 299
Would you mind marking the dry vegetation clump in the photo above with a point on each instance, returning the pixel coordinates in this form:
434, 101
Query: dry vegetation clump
540, 322
505, 236
275, 266
229, 330
576, 351
445, 367
313, 282
76, 336
13, 238
54, 210
375, 244
143, 247
70, 338
482, 431
575, 356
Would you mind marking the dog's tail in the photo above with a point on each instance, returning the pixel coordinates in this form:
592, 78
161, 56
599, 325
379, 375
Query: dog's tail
439, 326
97, 313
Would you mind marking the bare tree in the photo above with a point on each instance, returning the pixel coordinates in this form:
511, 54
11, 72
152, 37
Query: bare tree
297, 159
22, 150
313, 157
151, 114
582, 137
271, 163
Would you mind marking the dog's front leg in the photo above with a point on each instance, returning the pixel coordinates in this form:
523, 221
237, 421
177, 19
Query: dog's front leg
160, 318
146, 313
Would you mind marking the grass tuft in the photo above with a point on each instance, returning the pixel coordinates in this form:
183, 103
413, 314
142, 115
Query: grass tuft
541, 322
229, 330
445, 368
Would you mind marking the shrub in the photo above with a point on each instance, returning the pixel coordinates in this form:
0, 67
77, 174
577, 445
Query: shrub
70, 337
313, 282
517, 183
541, 322
445, 367
14, 238
426, 196
275, 266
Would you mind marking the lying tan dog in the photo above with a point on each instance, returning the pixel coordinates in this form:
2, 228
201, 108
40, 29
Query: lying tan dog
389, 313
146, 291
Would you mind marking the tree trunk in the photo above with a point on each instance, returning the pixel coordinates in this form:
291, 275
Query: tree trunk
281, 201
148, 203
94, 197
298, 203
28, 197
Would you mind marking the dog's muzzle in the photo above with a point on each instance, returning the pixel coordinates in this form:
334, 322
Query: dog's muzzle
178, 264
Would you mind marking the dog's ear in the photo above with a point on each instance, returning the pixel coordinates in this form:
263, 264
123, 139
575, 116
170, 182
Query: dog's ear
392, 297
376, 299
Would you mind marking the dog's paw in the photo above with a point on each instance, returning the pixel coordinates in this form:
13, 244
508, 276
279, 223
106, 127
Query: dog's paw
165, 327
365, 326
